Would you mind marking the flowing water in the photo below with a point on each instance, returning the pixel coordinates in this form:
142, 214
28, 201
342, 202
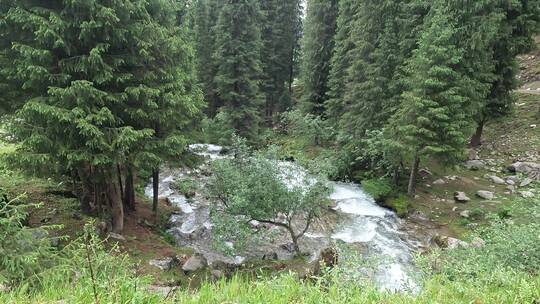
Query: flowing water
360, 222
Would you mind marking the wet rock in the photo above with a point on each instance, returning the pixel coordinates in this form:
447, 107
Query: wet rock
526, 194
497, 180
461, 197
194, 263
165, 264
117, 237
487, 195
475, 164
526, 182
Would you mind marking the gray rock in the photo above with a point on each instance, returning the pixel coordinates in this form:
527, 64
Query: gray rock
439, 182
487, 195
524, 167
163, 291
465, 213
165, 264
526, 194
216, 274
117, 237
461, 197
527, 181
475, 164
478, 243
497, 180
453, 243
511, 188
194, 263
449, 242
512, 180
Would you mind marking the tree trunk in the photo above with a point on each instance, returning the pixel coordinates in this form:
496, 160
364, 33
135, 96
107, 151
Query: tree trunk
115, 202
155, 185
120, 181
86, 196
476, 140
129, 194
294, 239
414, 174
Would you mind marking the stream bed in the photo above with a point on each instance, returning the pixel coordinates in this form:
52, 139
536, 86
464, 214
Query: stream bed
358, 221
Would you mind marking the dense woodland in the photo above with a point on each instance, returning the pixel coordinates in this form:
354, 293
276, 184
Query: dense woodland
102, 94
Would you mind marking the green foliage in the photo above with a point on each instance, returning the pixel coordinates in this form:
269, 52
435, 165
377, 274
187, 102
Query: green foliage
188, 187
24, 252
399, 204
379, 189
281, 31
237, 52
318, 46
254, 187
308, 129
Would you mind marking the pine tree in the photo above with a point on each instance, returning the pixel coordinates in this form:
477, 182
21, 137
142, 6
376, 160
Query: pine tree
238, 54
281, 30
373, 43
318, 47
519, 21
106, 85
435, 118
341, 58
205, 18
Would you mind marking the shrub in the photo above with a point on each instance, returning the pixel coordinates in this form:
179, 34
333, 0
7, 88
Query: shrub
187, 187
24, 252
399, 204
379, 189
255, 187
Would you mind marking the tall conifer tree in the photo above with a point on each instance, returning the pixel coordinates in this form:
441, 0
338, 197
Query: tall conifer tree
99, 80
239, 72
318, 47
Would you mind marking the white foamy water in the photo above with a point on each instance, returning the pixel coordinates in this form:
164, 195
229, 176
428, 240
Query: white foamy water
365, 222
361, 221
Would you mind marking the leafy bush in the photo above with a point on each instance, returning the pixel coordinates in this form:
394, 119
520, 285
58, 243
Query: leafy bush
24, 252
187, 187
379, 189
307, 128
258, 188
399, 204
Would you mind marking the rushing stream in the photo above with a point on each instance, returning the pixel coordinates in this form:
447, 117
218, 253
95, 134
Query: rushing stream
360, 221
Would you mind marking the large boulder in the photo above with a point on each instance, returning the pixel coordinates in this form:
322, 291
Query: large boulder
194, 263
524, 167
487, 195
461, 197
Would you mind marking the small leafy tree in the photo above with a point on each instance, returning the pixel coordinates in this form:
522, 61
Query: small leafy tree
255, 187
